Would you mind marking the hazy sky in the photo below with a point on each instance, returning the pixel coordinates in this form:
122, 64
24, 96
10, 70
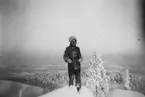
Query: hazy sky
105, 26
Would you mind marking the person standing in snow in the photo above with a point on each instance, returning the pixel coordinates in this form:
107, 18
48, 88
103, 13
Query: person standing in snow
72, 55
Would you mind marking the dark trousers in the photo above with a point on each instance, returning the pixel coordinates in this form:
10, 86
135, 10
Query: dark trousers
74, 73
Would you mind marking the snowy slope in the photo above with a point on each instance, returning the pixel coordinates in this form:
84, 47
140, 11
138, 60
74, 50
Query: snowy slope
123, 93
85, 92
69, 92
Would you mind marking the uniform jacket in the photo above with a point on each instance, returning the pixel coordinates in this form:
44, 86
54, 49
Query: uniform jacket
72, 53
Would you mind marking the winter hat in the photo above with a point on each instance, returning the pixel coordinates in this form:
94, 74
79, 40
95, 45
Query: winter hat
72, 38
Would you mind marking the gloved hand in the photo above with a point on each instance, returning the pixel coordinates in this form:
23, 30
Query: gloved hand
80, 60
69, 60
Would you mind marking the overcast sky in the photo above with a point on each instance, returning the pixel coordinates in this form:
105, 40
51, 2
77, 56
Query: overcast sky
105, 26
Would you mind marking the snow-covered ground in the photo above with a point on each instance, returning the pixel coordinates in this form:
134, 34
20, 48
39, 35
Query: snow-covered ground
123, 93
16, 89
85, 92
69, 92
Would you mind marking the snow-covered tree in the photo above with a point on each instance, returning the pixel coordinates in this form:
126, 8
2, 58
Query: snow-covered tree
127, 80
97, 79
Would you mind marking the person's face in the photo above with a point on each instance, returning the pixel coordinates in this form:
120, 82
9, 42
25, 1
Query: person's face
73, 42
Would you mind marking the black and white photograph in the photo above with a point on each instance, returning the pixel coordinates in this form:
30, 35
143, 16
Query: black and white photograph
72, 48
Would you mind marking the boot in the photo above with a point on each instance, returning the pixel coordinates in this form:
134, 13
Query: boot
78, 86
